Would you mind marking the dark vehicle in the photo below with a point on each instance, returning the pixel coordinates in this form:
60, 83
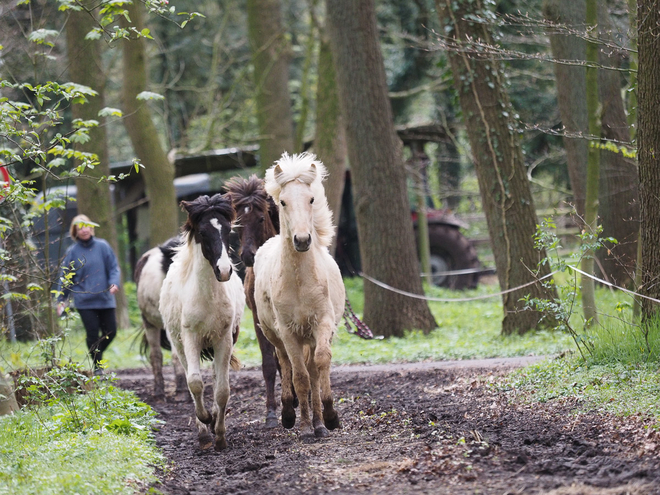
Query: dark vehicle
454, 261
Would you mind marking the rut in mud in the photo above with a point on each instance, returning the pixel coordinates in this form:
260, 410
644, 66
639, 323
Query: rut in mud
409, 430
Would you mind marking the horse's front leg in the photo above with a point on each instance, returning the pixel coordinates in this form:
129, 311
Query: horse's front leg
222, 349
320, 430
203, 435
301, 382
322, 359
189, 354
152, 335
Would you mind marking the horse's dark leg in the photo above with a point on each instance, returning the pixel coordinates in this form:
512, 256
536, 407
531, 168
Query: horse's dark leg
322, 357
269, 367
155, 358
269, 364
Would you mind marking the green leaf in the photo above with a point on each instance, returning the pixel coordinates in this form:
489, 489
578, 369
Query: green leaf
94, 34
109, 111
148, 95
78, 89
39, 36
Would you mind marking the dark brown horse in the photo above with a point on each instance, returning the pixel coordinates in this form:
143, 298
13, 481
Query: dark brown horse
257, 221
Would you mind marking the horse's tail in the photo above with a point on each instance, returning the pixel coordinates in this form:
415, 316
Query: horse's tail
234, 363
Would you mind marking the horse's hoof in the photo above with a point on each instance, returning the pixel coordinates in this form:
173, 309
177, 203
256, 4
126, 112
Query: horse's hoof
220, 444
321, 432
308, 437
288, 420
207, 420
331, 420
271, 420
205, 441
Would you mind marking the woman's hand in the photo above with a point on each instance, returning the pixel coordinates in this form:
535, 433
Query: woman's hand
61, 306
114, 289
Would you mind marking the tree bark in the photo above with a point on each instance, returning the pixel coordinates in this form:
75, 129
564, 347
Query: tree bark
158, 172
387, 243
593, 166
571, 92
270, 55
619, 182
93, 198
648, 134
330, 139
501, 173
618, 187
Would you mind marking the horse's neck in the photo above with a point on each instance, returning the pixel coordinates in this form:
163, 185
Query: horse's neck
198, 267
301, 266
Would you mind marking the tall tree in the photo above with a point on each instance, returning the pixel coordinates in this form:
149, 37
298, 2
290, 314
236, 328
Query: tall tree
648, 134
330, 139
618, 194
158, 172
387, 243
501, 173
618, 188
571, 91
93, 196
270, 55
593, 163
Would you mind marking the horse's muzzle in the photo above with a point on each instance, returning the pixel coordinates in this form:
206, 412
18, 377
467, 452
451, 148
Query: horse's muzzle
223, 275
302, 243
247, 258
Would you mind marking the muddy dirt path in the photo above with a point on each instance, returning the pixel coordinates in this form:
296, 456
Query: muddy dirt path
438, 428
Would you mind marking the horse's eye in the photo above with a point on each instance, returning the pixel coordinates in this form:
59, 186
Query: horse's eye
311, 201
262, 219
282, 203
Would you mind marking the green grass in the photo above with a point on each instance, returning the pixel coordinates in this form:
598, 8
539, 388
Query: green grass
467, 330
618, 388
95, 443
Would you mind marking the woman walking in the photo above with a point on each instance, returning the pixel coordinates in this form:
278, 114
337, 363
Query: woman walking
90, 273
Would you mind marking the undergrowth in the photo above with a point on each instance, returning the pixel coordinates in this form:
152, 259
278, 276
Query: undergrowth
96, 442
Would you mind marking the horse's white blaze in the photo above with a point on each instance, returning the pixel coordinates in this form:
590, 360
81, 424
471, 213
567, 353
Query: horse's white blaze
224, 263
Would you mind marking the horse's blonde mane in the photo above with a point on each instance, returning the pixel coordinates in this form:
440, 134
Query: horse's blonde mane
299, 167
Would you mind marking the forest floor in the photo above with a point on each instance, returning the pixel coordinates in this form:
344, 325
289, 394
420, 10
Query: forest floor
440, 428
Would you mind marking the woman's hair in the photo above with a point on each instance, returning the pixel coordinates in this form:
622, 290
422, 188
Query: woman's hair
77, 221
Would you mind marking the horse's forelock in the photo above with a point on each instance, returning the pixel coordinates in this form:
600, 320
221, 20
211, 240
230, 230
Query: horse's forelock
303, 167
204, 204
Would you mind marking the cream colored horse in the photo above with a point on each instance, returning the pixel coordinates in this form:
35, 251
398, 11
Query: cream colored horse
299, 291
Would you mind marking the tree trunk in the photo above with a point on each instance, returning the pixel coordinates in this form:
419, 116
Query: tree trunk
270, 55
501, 173
593, 167
93, 197
571, 92
648, 134
618, 188
618, 193
158, 172
387, 243
330, 139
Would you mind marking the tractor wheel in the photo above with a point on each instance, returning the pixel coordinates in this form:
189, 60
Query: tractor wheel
450, 250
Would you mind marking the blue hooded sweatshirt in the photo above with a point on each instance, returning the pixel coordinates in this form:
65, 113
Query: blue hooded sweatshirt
95, 270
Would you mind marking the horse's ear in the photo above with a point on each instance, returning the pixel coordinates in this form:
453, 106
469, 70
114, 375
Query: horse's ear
277, 171
313, 171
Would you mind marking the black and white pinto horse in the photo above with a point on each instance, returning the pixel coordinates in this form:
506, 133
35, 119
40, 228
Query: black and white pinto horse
201, 303
149, 275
